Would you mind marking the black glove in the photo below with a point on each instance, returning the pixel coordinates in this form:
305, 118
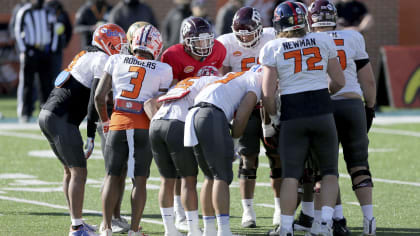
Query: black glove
370, 113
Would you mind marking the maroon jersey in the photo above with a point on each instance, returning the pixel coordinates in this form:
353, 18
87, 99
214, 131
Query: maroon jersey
184, 66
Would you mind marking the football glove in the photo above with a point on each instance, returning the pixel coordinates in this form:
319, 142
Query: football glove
270, 134
370, 114
89, 145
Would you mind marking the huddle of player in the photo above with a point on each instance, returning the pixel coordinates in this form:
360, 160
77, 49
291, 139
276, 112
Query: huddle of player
208, 101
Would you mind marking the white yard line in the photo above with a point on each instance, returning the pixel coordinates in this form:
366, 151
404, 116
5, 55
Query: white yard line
66, 208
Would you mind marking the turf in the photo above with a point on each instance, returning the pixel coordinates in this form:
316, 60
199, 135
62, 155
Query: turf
393, 157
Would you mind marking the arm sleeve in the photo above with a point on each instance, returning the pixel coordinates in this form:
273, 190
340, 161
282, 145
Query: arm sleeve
254, 85
223, 40
166, 58
92, 116
360, 46
222, 50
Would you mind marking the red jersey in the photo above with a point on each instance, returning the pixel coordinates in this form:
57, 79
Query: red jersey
184, 66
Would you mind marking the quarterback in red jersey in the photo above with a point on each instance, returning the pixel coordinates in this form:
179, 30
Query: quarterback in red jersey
198, 54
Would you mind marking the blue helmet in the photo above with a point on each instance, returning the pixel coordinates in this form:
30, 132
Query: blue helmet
289, 16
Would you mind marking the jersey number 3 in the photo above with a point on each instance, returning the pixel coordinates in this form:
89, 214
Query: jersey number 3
311, 61
136, 81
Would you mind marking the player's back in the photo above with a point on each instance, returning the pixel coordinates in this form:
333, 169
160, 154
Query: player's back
301, 62
240, 58
138, 79
178, 108
227, 92
350, 48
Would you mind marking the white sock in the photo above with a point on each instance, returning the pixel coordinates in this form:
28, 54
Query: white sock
76, 222
287, 222
338, 212
327, 213
308, 208
210, 224
367, 211
192, 220
178, 206
223, 224
168, 219
248, 204
277, 204
318, 216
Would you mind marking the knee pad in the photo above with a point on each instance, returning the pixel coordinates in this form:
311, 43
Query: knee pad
364, 183
275, 173
246, 173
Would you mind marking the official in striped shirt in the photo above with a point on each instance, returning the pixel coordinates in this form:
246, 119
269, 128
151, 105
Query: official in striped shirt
36, 31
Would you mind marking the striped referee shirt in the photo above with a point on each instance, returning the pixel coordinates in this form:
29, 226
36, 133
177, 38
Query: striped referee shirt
36, 28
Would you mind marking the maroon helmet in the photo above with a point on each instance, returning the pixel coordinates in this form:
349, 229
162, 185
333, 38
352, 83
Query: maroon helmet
197, 36
247, 26
322, 13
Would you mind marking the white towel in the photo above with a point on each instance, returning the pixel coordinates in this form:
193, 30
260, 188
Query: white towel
190, 137
130, 161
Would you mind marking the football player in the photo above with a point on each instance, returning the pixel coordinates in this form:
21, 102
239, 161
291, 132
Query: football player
66, 108
199, 54
299, 64
171, 157
353, 110
133, 80
207, 131
118, 223
242, 50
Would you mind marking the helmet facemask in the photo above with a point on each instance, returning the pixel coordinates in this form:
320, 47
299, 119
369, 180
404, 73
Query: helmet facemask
202, 45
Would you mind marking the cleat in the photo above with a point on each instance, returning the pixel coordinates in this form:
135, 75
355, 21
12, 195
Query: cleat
181, 225
340, 228
303, 223
120, 225
249, 219
138, 233
278, 231
369, 227
89, 227
82, 231
325, 230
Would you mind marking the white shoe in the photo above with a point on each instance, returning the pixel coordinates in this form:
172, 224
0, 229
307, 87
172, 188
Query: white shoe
106, 232
315, 229
249, 218
132, 233
92, 228
120, 225
181, 224
276, 217
325, 230
369, 226
82, 231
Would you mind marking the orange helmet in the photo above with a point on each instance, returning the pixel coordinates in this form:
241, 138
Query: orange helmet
110, 38
147, 38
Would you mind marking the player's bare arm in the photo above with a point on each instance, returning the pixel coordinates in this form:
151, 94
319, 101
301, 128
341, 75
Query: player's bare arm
242, 114
269, 85
367, 83
336, 74
104, 86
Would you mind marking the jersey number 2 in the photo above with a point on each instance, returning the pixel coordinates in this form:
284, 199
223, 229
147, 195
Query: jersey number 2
136, 81
311, 61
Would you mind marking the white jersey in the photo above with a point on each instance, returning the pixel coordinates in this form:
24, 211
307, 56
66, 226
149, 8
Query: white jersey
87, 65
227, 92
240, 58
178, 109
137, 79
350, 48
301, 62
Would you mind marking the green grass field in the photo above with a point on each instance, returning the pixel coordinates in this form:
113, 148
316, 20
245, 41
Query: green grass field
32, 203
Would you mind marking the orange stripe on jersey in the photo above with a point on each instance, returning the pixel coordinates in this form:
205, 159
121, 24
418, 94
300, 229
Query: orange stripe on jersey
123, 120
339, 42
